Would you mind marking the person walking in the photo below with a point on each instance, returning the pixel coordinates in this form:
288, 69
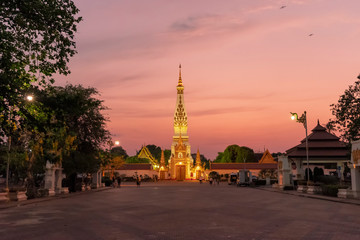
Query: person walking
211, 181
119, 182
137, 181
113, 181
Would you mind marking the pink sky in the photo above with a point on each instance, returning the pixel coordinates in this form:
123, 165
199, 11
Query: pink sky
245, 65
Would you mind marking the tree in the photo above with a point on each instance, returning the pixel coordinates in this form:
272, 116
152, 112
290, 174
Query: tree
119, 151
80, 112
236, 154
347, 114
36, 42
135, 159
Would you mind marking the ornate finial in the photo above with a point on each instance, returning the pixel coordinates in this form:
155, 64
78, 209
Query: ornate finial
318, 122
180, 81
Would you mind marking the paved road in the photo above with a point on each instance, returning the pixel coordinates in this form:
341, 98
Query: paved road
182, 211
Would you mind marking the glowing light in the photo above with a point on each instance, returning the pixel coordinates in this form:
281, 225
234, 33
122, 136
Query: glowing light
29, 98
293, 117
180, 163
117, 143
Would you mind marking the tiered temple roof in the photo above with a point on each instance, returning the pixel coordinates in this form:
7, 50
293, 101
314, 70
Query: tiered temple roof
322, 145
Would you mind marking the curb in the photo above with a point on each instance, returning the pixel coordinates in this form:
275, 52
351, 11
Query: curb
320, 197
45, 199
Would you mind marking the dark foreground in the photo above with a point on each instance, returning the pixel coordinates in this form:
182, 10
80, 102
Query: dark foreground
182, 211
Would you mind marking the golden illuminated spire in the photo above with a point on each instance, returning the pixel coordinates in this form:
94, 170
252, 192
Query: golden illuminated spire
180, 80
198, 160
162, 159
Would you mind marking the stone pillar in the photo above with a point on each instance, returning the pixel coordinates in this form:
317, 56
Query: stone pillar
50, 178
355, 168
58, 180
96, 180
283, 171
53, 178
299, 172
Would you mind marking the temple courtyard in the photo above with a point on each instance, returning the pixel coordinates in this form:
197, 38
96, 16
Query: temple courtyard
181, 210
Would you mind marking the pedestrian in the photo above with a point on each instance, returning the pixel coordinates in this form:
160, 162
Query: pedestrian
200, 179
137, 181
218, 180
211, 181
119, 181
113, 181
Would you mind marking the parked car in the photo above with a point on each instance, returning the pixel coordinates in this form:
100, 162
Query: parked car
232, 179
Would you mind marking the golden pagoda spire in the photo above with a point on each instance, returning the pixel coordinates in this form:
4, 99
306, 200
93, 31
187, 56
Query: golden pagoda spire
180, 80
198, 160
162, 159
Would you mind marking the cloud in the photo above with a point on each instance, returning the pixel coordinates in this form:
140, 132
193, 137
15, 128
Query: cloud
223, 110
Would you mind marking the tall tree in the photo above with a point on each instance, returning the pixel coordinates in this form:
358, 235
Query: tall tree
347, 114
37, 41
236, 154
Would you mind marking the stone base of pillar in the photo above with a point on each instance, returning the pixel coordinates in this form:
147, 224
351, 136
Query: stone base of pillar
356, 194
17, 196
4, 197
51, 192
313, 190
267, 181
302, 188
345, 193
64, 190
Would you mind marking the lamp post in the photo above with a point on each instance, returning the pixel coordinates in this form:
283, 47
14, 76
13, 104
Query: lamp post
28, 98
303, 120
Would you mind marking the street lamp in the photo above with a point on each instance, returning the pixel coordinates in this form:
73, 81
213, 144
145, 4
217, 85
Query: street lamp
303, 120
28, 98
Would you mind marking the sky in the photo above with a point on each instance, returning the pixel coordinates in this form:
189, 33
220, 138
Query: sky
246, 64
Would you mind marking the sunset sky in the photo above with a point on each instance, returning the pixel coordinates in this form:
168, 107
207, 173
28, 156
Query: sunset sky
245, 65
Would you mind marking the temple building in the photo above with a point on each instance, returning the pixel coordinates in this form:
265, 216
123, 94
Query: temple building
181, 165
325, 150
180, 162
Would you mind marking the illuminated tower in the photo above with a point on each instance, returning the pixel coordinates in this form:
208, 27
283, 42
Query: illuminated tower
180, 161
180, 116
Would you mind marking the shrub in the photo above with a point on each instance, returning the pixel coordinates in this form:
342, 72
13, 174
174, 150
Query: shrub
330, 190
288, 188
301, 182
107, 181
273, 181
328, 180
260, 182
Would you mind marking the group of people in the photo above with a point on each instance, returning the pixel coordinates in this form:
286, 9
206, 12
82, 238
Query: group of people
211, 180
215, 180
117, 181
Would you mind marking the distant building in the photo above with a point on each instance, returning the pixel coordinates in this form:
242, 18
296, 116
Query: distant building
265, 162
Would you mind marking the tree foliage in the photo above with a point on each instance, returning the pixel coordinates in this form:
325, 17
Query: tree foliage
119, 151
76, 109
37, 41
236, 154
347, 114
